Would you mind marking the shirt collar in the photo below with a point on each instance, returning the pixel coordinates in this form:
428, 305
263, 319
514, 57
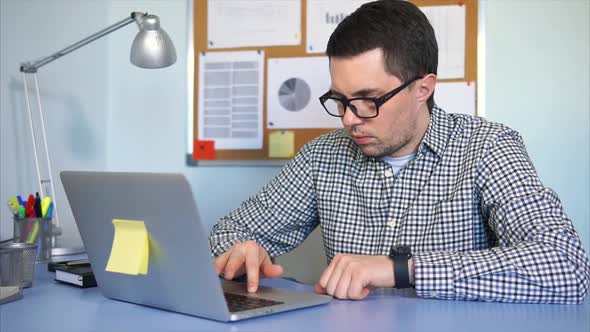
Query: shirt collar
436, 138
438, 133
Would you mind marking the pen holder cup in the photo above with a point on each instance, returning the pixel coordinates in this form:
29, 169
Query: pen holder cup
37, 231
17, 265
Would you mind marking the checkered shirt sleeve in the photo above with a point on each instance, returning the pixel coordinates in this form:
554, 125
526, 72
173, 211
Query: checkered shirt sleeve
279, 217
479, 221
536, 254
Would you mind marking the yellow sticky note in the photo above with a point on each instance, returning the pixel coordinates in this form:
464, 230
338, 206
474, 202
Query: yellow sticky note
281, 144
130, 250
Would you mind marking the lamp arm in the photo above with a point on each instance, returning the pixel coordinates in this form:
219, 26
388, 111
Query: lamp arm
31, 67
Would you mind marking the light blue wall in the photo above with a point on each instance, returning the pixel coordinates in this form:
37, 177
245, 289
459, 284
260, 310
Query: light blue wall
107, 114
103, 113
146, 126
537, 81
72, 95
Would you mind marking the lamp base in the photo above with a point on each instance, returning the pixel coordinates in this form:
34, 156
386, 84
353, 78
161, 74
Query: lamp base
67, 251
59, 251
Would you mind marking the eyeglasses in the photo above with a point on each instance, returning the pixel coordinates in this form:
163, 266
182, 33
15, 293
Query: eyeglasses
362, 107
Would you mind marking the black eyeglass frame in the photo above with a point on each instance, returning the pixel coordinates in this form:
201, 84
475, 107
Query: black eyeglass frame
378, 101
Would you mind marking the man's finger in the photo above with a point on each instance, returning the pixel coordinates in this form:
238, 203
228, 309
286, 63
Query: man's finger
319, 289
220, 262
268, 268
357, 291
341, 290
272, 270
234, 263
325, 277
337, 272
252, 269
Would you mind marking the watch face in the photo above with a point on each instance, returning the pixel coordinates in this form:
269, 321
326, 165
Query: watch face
401, 250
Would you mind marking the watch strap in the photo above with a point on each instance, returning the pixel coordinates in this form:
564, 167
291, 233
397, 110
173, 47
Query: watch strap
400, 256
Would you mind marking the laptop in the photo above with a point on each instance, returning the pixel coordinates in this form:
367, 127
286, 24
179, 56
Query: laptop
181, 275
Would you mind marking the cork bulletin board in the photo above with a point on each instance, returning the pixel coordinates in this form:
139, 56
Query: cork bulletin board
205, 151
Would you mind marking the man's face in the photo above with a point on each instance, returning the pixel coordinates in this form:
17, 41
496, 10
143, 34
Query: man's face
399, 127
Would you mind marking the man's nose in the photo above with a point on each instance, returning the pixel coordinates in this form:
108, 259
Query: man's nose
350, 119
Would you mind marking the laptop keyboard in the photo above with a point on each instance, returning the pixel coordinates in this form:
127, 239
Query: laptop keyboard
238, 302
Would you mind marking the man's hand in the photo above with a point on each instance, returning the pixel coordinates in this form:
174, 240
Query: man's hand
351, 276
250, 258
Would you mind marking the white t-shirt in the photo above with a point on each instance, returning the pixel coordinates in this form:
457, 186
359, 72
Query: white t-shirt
399, 162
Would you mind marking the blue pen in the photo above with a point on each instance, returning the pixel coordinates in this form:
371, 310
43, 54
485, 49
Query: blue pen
21, 201
39, 236
49, 213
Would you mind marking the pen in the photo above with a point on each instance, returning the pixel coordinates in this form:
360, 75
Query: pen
49, 213
13, 205
38, 212
29, 213
30, 207
21, 201
45, 203
21, 216
33, 234
38, 247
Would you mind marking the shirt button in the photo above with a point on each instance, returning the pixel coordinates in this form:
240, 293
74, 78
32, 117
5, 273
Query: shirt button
388, 173
391, 223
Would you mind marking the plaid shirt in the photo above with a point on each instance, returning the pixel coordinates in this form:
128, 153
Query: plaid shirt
479, 221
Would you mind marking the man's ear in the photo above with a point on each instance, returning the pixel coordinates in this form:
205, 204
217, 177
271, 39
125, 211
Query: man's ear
425, 87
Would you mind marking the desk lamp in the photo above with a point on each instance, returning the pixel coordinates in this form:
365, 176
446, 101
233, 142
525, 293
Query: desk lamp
152, 48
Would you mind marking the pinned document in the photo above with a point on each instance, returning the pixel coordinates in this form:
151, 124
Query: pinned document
238, 23
230, 99
130, 250
281, 144
294, 86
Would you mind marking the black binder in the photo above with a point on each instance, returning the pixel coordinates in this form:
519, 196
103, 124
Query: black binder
77, 275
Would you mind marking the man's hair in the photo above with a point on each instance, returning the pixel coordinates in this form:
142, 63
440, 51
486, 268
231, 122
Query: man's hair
399, 28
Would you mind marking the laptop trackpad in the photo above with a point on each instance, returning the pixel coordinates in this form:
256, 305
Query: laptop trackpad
240, 287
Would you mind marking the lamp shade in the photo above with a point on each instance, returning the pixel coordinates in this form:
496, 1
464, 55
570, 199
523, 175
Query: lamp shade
152, 47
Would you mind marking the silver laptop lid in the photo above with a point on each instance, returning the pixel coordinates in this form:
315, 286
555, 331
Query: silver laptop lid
180, 278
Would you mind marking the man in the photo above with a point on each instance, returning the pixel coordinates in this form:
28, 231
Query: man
406, 194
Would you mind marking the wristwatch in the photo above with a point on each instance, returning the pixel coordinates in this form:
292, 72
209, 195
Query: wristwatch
400, 256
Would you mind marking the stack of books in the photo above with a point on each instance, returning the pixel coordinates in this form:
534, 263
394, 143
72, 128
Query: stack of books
77, 273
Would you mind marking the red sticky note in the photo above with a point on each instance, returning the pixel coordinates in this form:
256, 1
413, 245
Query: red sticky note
203, 150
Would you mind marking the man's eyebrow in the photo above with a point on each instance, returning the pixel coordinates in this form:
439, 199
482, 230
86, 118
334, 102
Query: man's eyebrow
360, 93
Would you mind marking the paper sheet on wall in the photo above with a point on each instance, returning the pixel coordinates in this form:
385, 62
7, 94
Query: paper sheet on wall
239, 23
322, 18
448, 22
449, 27
456, 97
294, 86
230, 99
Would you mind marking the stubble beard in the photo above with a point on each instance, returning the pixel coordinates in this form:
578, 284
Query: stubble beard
380, 151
